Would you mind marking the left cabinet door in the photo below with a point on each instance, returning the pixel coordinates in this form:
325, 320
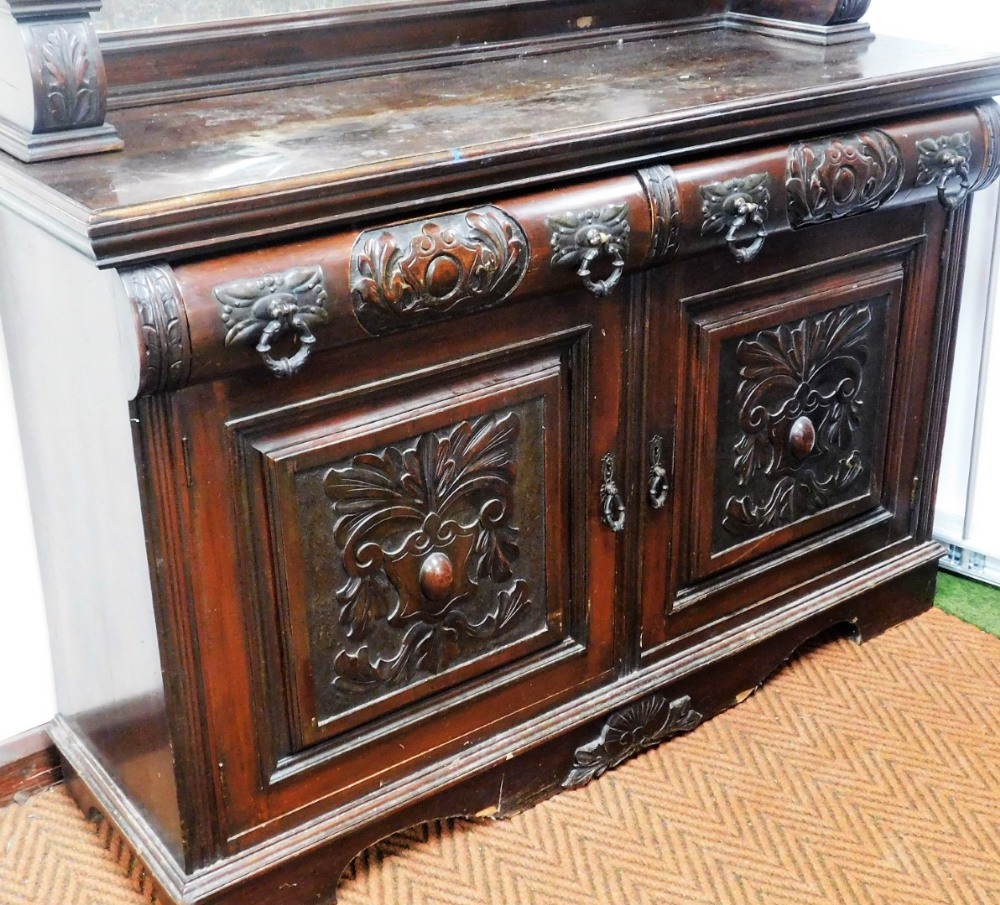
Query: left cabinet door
402, 551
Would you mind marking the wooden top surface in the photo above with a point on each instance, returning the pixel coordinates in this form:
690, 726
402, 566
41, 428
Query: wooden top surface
220, 172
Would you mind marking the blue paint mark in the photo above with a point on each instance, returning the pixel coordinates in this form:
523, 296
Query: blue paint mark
456, 155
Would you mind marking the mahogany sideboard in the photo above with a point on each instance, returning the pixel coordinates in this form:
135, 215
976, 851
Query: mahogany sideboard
421, 434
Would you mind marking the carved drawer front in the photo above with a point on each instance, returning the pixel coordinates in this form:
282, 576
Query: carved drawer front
793, 433
420, 548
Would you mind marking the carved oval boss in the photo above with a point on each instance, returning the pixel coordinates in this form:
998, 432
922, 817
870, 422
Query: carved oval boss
419, 272
841, 176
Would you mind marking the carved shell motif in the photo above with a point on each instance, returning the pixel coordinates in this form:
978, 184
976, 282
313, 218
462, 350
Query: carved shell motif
630, 731
842, 176
419, 272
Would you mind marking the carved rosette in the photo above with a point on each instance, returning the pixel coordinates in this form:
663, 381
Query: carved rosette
841, 176
419, 272
660, 186
277, 306
163, 327
630, 731
738, 209
944, 162
800, 397
581, 238
420, 526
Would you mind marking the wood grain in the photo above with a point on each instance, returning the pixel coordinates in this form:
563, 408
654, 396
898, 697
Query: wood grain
29, 763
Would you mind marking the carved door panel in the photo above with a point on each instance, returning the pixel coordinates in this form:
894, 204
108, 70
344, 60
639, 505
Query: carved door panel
409, 552
416, 536
790, 412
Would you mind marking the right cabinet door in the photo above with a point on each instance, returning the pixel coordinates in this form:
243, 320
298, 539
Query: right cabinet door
788, 411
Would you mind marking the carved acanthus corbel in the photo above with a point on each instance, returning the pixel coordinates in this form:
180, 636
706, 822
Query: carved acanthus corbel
56, 93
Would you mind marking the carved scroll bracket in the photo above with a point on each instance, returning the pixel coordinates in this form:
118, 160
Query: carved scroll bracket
163, 328
660, 186
58, 97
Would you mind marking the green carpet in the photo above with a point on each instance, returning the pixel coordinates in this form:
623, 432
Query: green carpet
969, 600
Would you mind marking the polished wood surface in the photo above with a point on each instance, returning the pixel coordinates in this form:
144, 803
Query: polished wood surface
201, 175
29, 763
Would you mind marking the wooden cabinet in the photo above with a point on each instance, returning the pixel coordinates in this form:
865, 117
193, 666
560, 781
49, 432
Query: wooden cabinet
434, 441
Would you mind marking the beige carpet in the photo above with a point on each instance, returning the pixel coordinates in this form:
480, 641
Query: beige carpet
856, 775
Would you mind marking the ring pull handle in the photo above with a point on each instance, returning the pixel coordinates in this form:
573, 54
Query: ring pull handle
944, 162
612, 504
659, 488
268, 308
581, 238
603, 245
954, 167
747, 212
729, 208
277, 328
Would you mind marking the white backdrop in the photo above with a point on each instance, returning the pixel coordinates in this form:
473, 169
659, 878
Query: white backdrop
26, 696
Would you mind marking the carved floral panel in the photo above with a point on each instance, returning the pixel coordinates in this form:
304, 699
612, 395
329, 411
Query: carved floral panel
799, 433
426, 554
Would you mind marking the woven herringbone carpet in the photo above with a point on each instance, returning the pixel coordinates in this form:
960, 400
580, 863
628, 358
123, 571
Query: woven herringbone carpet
856, 775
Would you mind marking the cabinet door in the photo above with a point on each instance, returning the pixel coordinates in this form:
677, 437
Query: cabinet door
794, 393
414, 556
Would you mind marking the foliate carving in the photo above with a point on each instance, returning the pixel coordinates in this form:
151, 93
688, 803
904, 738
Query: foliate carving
630, 731
163, 327
579, 239
660, 186
800, 401
841, 176
420, 272
420, 525
265, 309
944, 162
70, 77
731, 207
849, 11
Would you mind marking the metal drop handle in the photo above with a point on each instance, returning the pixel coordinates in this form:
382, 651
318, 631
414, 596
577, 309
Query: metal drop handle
612, 504
659, 487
